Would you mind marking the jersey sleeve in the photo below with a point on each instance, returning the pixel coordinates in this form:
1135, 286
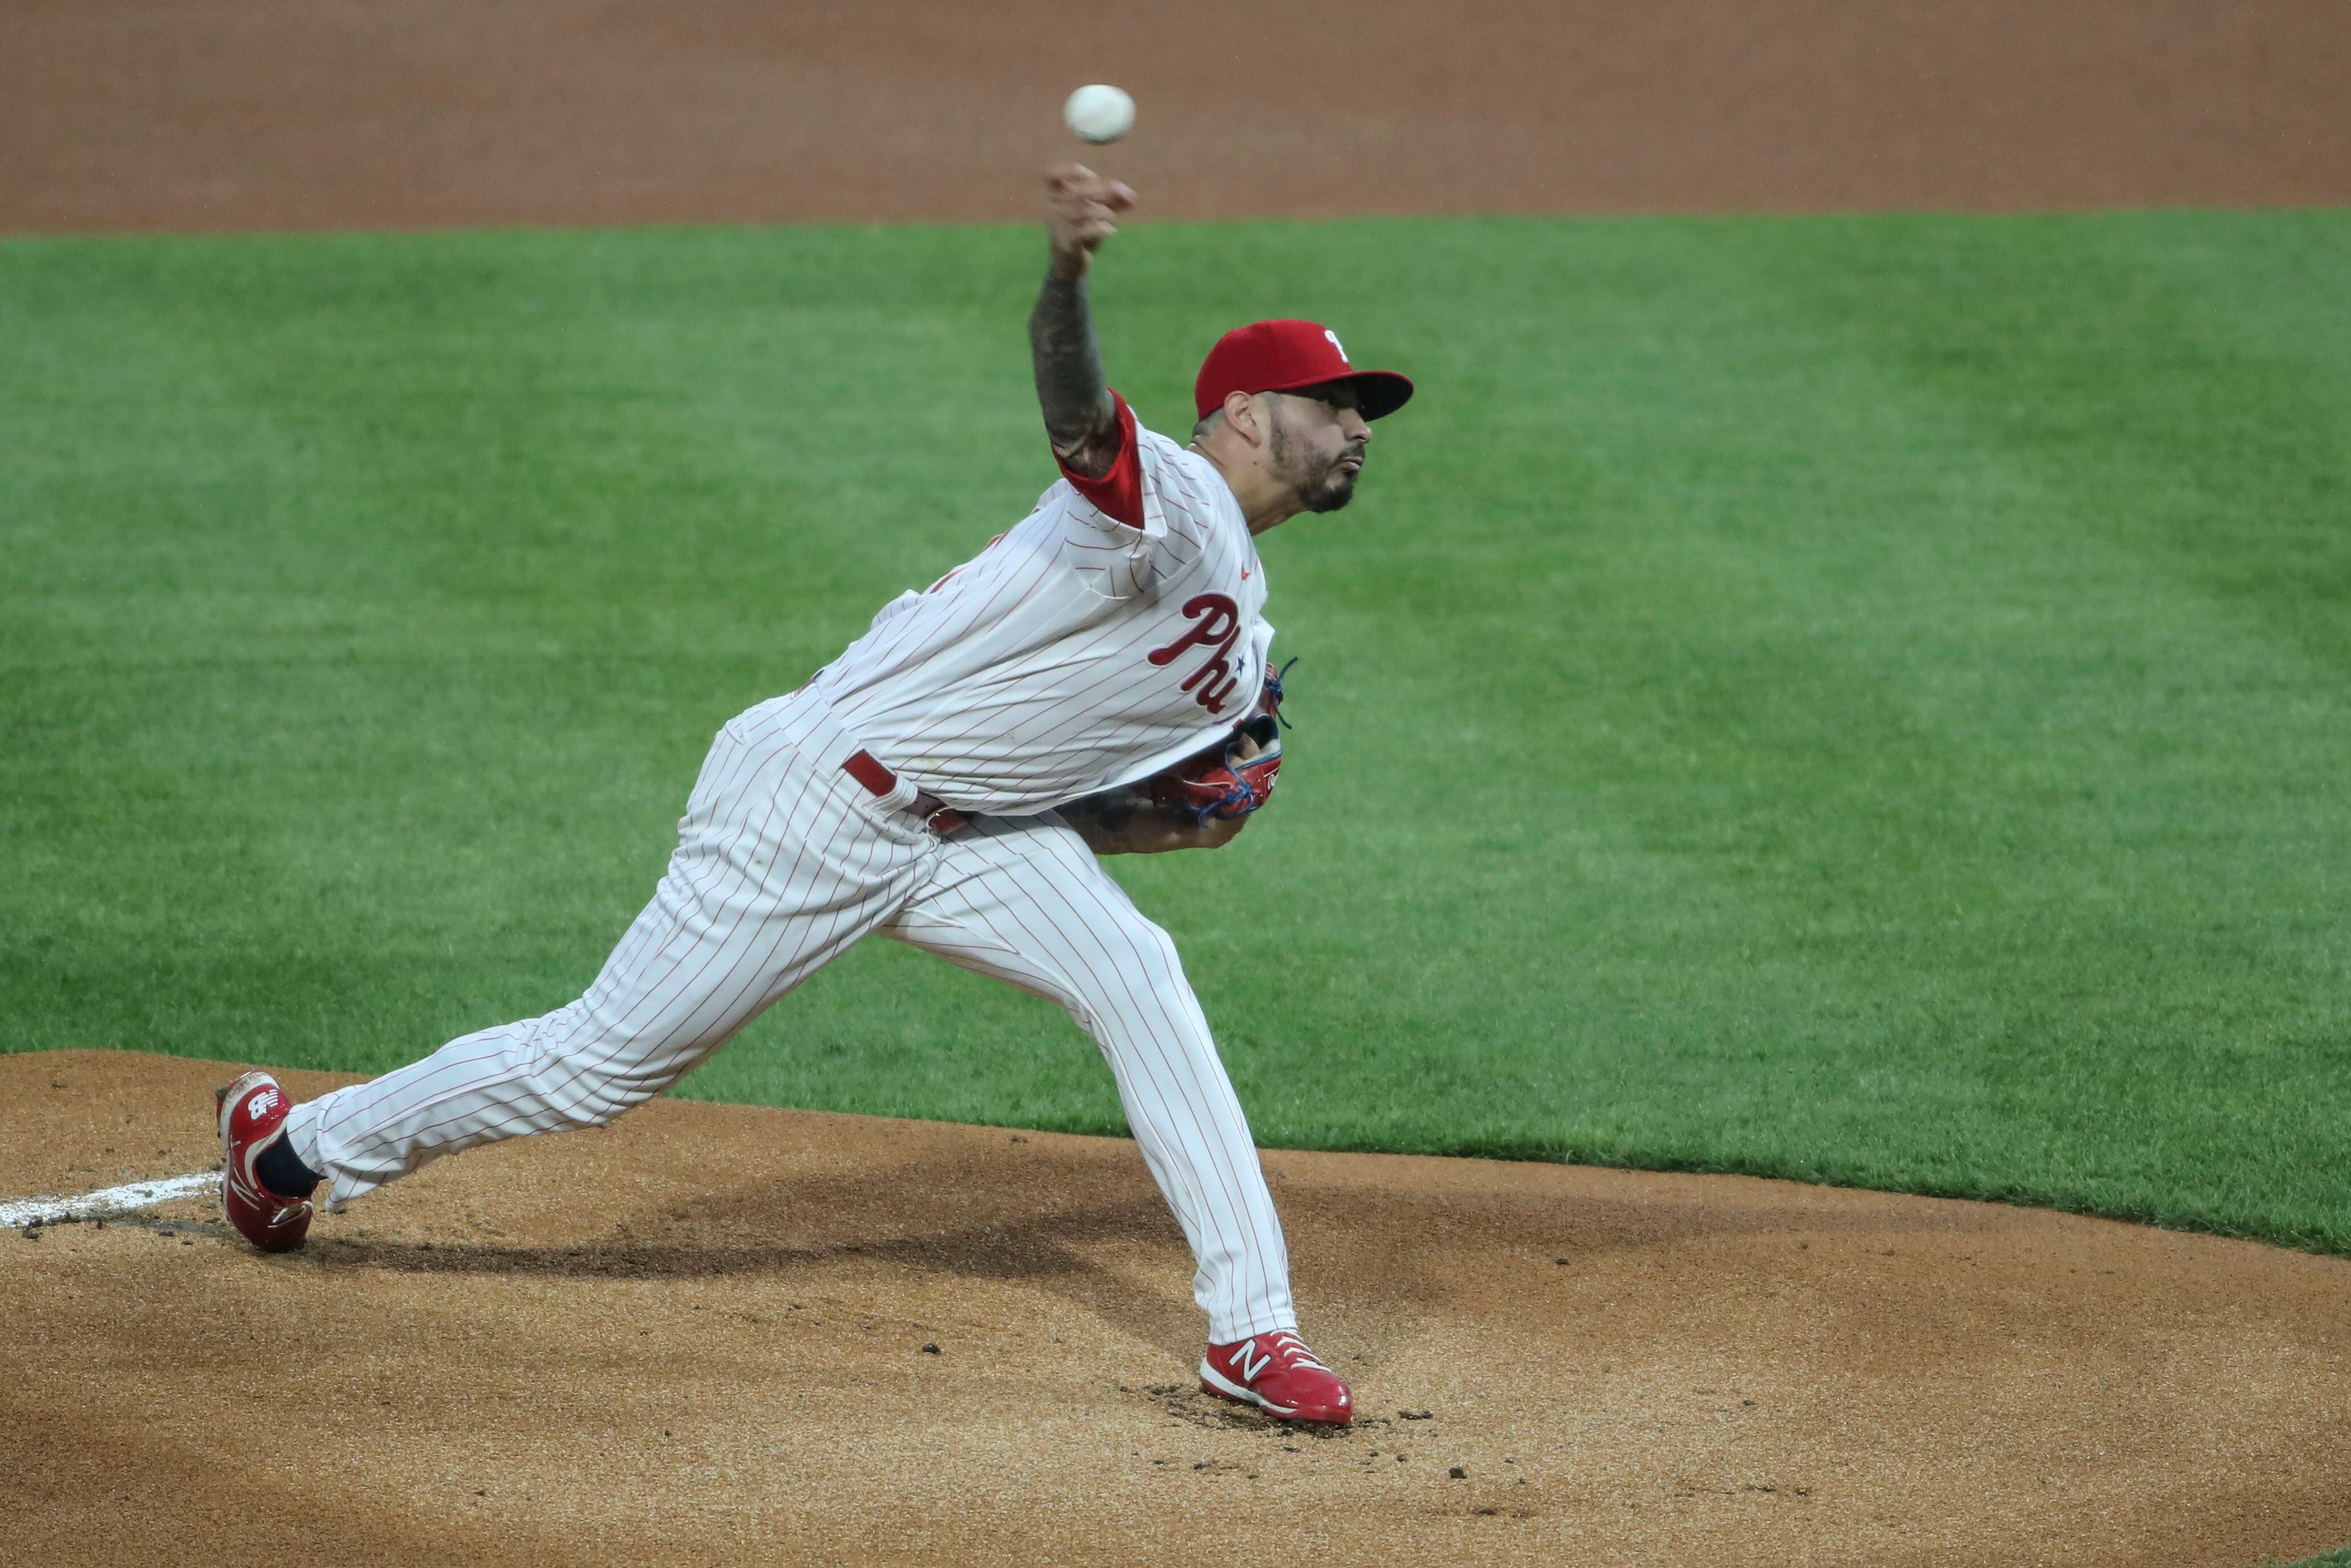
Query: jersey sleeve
1118, 493
1148, 487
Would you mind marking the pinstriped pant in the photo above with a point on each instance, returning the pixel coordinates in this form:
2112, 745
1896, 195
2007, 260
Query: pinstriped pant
783, 861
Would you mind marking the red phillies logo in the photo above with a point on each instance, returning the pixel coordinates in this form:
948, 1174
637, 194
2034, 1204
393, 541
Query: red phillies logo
1215, 620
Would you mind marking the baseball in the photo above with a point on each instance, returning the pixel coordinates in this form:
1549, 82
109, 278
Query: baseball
1099, 114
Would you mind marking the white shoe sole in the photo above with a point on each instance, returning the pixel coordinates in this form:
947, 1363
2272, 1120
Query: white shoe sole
1240, 1393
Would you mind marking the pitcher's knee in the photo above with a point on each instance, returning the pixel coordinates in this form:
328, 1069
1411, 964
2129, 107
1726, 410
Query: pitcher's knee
580, 1105
582, 1085
1153, 958
591, 1093
1141, 989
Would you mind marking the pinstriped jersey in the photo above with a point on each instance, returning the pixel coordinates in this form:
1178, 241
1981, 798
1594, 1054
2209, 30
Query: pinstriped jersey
1114, 630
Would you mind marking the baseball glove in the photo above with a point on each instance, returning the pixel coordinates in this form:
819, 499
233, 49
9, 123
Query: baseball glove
1235, 777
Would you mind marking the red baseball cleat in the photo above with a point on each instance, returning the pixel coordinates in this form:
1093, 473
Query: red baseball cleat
1276, 1373
252, 1117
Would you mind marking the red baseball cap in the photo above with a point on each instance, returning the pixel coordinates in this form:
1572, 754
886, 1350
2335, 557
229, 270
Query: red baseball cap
1282, 356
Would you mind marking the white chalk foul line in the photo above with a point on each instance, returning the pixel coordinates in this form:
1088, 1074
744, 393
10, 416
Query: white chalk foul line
124, 1199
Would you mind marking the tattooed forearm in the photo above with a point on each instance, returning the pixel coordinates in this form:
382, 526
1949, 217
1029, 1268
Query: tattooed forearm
1107, 815
1128, 821
1114, 808
1079, 417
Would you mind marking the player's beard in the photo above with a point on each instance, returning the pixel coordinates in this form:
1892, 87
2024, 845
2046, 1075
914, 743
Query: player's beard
1325, 489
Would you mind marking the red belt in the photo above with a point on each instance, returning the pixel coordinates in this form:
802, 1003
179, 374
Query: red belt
867, 770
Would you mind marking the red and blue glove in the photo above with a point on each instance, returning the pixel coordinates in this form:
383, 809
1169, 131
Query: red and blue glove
1239, 777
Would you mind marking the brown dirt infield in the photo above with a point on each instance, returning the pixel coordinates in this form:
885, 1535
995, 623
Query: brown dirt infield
304, 114
570, 1351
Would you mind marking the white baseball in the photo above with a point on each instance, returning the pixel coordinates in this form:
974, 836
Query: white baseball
1099, 114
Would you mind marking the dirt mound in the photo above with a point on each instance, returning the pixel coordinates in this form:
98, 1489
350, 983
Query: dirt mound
301, 114
715, 1333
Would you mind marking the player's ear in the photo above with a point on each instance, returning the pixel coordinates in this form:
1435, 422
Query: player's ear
1247, 414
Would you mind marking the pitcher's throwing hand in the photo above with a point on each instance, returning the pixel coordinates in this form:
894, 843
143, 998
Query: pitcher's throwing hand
1082, 210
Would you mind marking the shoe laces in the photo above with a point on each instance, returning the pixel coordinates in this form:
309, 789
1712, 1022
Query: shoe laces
1290, 1352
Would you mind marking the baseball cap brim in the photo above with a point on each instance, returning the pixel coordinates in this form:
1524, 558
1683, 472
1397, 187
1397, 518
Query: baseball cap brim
1377, 393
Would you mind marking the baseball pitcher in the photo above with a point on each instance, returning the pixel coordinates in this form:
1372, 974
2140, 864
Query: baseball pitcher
1097, 681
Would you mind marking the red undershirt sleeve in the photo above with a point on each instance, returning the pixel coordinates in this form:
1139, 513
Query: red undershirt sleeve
1118, 493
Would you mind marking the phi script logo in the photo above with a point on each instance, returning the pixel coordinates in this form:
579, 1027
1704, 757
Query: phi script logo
1215, 620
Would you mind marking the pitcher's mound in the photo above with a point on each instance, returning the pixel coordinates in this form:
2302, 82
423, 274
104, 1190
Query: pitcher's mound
720, 1334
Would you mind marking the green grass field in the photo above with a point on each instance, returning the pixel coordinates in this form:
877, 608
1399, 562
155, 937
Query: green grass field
1861, 699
